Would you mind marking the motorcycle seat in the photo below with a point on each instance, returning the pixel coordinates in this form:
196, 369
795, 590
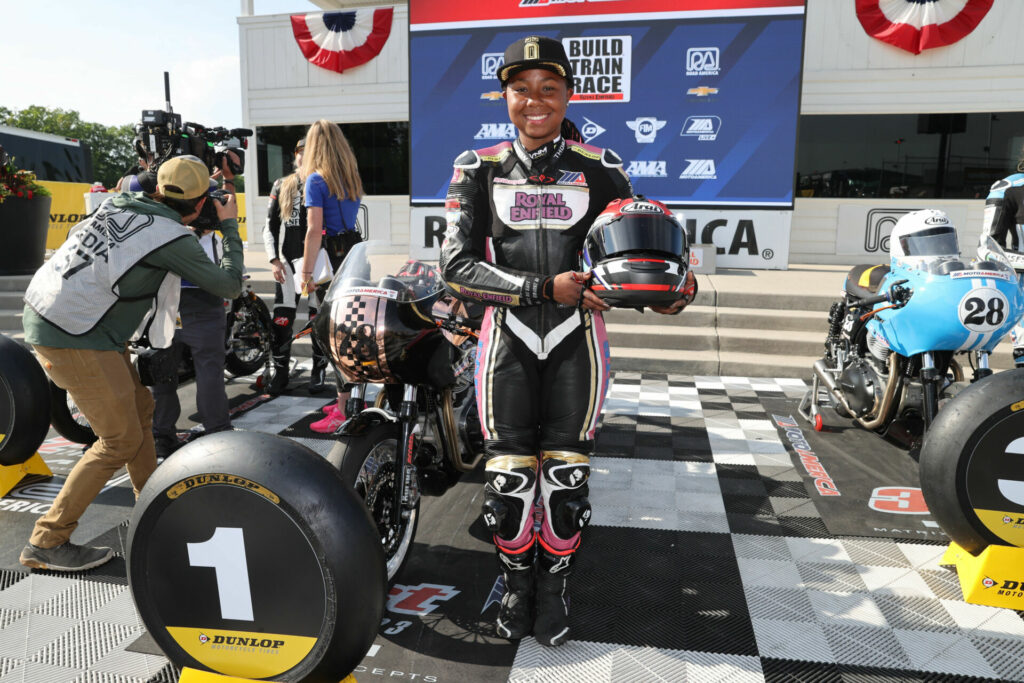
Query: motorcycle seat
862, 281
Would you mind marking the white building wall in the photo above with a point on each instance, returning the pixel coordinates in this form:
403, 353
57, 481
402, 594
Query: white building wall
845, 72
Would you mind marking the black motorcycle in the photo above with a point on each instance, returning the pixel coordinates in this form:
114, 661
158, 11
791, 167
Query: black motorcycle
246, 346
405, 333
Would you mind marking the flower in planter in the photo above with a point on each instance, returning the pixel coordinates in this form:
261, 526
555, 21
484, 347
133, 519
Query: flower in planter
15, 182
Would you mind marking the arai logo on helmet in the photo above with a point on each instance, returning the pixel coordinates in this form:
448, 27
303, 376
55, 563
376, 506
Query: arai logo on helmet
936, 220
641, 207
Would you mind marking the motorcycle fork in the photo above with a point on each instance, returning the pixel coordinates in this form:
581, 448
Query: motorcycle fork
930, 381
408, 415
356, 402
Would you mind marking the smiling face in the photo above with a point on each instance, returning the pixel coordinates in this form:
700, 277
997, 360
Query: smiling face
537, 100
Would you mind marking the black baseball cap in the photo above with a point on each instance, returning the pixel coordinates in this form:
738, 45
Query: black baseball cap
535, 52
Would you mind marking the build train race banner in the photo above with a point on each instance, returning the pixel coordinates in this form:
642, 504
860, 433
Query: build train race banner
68, 208
699, 97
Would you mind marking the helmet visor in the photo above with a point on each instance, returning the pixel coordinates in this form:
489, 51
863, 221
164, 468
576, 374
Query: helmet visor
641, 233
939, 241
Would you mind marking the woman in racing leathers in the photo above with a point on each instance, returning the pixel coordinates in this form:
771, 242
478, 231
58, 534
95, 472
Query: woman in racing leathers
517, 217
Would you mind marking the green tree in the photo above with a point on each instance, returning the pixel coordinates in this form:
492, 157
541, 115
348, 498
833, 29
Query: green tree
112, 153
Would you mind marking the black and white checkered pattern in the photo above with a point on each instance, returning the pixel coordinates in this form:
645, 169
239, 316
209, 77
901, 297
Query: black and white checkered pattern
706, 560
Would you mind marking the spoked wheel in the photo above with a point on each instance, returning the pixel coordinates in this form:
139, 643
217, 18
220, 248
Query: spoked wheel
66, 419
368, 463
248, 336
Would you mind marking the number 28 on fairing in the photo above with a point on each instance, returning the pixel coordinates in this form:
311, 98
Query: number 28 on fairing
983, 310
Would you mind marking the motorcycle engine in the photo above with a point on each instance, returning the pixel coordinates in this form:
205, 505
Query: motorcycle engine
860, 386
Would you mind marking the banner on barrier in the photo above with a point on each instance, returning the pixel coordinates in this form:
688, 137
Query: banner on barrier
68, 209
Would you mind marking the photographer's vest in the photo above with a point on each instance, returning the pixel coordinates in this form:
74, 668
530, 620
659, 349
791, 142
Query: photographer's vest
79, 284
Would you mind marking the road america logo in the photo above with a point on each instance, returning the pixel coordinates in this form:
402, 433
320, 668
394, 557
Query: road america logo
645, 127
702, 61
495, 131
699, 169
702, 127
647, 169
490, 62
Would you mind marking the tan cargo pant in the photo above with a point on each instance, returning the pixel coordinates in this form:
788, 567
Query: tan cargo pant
106, 388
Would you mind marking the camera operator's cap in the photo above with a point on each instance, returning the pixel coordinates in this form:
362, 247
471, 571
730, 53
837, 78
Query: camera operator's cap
300, 145
184, 177
535, 52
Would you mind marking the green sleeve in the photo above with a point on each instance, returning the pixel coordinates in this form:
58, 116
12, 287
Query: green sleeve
185, 257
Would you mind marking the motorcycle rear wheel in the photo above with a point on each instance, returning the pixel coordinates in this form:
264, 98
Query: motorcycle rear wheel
368, 464
248, 336
66, 419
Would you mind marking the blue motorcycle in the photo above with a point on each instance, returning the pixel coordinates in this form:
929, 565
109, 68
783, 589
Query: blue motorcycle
895, 341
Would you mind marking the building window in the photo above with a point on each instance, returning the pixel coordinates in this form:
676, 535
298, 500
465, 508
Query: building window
382, 150
956, 156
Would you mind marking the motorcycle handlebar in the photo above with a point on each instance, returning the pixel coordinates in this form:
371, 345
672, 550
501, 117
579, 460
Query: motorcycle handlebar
898, 295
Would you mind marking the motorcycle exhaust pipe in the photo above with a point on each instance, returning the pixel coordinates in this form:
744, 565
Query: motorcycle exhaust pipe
822, 371
452, 435
886, 404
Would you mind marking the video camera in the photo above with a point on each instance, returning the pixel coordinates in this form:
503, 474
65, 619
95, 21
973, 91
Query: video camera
160, 135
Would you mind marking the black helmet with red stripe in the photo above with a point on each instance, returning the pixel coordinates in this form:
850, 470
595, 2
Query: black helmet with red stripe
638, 254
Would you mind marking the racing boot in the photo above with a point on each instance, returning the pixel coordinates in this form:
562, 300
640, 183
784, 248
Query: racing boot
551, 624
277, 378
515, 616
318, 374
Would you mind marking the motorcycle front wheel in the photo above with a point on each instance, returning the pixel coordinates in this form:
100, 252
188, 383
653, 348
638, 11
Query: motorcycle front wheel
248, 336
66, 419
368, 463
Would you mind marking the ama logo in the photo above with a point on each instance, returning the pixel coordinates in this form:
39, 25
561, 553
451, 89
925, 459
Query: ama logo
647, 169
495, 131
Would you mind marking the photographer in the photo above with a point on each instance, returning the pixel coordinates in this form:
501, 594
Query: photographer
82, 307
202, 331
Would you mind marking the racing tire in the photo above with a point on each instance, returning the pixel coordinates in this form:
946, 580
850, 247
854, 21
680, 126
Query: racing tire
972, 464
66, 419
367, 464
251, 539
248, 336
24, 403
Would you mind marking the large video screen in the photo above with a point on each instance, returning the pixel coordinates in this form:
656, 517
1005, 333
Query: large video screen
700, 98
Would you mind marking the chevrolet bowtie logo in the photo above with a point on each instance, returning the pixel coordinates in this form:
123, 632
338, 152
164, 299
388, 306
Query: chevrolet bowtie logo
492, 96
702, 91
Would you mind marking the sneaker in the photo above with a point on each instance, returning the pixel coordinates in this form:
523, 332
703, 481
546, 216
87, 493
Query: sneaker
66, 557
330, 422
165, 445
331, 407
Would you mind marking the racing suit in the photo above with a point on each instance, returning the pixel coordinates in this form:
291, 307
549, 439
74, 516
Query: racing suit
516, 218
1004, 221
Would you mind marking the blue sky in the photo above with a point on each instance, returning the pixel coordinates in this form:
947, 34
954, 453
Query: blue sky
106, 59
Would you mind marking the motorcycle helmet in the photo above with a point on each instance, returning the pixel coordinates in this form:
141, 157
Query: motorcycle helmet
638, 254
924, 234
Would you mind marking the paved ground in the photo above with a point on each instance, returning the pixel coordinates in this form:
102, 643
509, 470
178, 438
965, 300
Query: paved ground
709, 558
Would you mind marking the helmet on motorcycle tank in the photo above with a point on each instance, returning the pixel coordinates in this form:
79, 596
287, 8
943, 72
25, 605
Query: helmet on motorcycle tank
638, 254
924, 233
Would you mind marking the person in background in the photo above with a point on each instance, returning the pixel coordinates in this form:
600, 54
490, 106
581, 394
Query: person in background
284, 236
542, 361
81, 308
1004, 222
332, 192
203, 330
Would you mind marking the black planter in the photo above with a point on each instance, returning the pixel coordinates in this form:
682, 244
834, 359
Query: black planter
24, 224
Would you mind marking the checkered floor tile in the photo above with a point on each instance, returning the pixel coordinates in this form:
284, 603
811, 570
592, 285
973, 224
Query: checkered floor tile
706, 560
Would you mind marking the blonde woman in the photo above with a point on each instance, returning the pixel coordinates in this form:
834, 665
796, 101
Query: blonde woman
333, 191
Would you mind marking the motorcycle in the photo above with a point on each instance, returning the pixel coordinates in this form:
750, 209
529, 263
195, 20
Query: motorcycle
405, 333
889, 368
247, 339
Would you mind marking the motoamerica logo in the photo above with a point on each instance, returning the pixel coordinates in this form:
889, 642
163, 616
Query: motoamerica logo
702, 127
647, 169
822, 481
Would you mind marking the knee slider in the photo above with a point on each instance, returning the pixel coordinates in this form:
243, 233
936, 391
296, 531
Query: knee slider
564, 490
509, 490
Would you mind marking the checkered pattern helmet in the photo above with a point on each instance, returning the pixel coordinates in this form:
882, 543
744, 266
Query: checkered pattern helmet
638, 254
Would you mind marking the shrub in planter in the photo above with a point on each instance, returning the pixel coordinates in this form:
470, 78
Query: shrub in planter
24, 218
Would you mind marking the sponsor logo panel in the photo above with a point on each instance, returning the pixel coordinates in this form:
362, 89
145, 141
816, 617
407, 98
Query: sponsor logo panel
702, 61
496, 131
590, 130
646, 128
490, 62
699, 169
647, 169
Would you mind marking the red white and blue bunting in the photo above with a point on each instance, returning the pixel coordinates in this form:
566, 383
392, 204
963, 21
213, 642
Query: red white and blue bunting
342, 40
920, 25
916, 25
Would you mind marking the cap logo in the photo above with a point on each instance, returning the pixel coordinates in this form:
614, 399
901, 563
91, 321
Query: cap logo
531, 49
